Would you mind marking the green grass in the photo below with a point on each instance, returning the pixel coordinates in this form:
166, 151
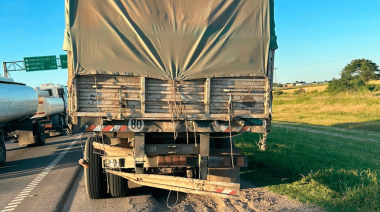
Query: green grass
347, 110
337, 170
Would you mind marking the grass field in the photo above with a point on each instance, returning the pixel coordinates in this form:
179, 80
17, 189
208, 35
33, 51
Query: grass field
323, 150
348, 110
308, 89
336, 169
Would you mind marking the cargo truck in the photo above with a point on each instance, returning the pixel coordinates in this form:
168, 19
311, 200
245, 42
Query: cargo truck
27, 114
165, 86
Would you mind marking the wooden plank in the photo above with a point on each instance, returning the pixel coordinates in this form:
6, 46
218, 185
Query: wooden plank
108, 91
110, 110
109, 83
207, 95
189, 82
112, 150
181, 89
170, 85
151, 110
109, 79
102, 100
236, 98
149, 116
200, 107
142, 94
237, 107
256, 85
163, 97
125, 96
237, 112
171, 92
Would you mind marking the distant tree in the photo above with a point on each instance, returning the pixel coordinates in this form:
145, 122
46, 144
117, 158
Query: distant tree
361, 70
355, 76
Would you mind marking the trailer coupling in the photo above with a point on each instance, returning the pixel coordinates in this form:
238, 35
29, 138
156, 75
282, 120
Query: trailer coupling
186, 185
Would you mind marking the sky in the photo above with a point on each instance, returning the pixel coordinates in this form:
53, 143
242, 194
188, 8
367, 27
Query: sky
316, 38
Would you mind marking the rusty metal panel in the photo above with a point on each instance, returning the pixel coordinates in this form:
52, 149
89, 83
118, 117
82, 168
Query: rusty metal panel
183, 160
228, 175
171, 149
139, 149
169, 160
176, 159
203, 156
161, 161
241, 162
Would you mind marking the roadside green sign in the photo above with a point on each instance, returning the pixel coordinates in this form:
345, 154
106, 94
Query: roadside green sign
40, 63
63, 59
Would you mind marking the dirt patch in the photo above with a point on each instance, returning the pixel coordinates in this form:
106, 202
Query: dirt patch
251, 199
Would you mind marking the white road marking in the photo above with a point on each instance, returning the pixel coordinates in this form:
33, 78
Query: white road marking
21, 196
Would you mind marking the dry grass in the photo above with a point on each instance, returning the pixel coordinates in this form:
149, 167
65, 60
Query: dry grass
318, 88
358, 111
377, 82
313, 88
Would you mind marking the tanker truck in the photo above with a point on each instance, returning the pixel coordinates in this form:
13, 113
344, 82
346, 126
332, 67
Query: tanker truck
26, 113
165, 86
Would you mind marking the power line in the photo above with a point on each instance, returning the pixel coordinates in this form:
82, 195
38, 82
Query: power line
329, 61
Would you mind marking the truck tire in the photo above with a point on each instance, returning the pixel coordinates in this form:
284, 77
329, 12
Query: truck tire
3, 151
118, 186
39, 130
95, 181
61, 125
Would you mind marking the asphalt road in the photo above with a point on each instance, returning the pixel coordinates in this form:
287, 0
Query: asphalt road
49, 178
38, 178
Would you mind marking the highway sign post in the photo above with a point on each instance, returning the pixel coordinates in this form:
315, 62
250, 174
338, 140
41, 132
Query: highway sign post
63, 59
40, 63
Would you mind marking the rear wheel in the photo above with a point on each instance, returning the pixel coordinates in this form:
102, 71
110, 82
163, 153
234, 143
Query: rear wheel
3, 152
39, 131
61, 125
118, 186
95, 181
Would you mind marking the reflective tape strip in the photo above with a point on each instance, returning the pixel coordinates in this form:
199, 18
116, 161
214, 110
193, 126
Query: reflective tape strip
123, 128
107, 128
116, 128
226, 191
245, 129
90, 128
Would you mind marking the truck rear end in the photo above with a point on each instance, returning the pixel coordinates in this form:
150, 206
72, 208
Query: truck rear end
165, 86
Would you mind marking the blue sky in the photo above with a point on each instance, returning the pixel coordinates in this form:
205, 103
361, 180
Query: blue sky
317, 38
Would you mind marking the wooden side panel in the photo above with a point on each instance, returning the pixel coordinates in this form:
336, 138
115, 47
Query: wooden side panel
103, 93
247, 96
149, 98
185, 97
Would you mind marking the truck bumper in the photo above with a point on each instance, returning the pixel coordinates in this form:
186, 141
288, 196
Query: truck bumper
186, 185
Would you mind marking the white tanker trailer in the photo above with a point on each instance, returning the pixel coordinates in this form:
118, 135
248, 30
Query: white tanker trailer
26, 114
17, 101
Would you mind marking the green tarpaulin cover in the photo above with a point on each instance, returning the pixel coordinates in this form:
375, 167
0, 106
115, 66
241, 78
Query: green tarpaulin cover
170, 39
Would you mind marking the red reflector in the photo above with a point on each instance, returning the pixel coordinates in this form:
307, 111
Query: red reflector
48, 126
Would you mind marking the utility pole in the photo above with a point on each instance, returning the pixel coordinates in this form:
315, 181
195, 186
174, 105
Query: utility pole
275, 77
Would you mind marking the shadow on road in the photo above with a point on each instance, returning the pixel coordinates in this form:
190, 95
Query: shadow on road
30, 164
